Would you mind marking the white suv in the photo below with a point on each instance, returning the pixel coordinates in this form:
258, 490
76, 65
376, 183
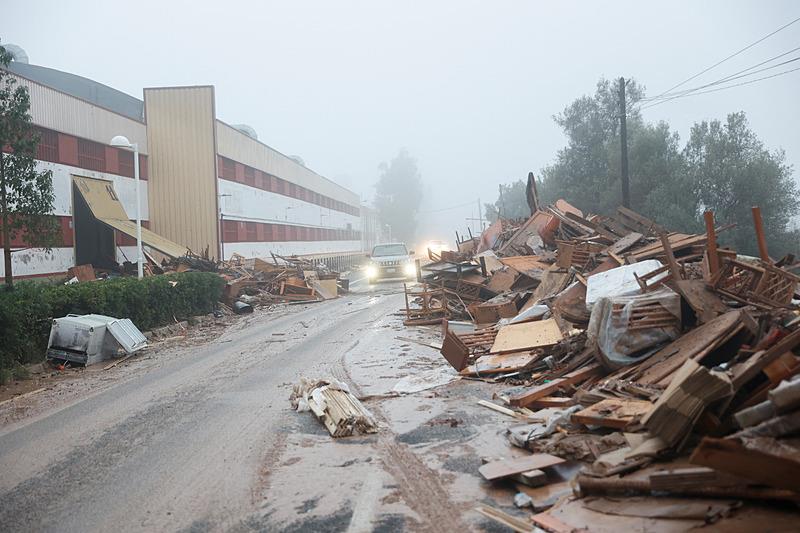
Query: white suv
392, 260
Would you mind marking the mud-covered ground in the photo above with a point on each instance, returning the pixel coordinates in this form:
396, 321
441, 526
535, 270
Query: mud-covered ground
197, 433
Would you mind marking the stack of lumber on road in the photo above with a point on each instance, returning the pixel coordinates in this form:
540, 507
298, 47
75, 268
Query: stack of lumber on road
333, 404
663, 369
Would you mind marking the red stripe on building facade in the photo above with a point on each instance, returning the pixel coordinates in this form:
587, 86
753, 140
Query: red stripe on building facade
252, 177
239, 231
57, 147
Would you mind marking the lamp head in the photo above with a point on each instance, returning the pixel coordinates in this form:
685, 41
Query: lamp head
120, 141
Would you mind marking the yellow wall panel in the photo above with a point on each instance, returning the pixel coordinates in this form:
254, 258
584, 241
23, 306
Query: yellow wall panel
182, 158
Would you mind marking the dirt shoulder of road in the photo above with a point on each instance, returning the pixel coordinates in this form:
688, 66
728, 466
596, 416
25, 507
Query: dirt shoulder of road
49, 387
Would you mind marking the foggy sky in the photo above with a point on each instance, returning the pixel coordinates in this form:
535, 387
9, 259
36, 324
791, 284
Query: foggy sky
469, 88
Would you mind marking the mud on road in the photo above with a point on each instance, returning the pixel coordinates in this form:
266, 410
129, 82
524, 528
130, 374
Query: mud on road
198, 435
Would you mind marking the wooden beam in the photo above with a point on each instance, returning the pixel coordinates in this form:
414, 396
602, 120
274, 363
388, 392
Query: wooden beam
761, 466
674, 268
711, 243
527, 398
760, 238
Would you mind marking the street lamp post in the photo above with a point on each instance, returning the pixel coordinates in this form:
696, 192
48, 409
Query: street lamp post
122, 142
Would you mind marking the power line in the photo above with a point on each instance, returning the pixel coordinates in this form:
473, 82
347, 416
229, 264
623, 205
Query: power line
721, 88
749, 46
735, 75
722, 80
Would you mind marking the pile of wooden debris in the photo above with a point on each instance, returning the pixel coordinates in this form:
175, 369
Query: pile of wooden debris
256, 281
652, 367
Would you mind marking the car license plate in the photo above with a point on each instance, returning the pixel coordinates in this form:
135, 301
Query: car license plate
391, 270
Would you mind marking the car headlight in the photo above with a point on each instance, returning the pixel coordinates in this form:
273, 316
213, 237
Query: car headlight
410, 269
371, 271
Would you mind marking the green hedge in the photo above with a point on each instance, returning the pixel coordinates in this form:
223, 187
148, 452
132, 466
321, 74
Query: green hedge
27, 311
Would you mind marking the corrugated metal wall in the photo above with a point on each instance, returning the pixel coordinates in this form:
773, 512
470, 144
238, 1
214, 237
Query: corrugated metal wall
233, 144
58, 111
183, 175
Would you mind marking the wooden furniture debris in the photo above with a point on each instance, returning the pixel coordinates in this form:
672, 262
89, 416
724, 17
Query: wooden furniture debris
616, 413
495, 470
431, 307
525, 336
526, 398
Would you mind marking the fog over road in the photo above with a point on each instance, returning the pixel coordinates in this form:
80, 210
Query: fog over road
206, 440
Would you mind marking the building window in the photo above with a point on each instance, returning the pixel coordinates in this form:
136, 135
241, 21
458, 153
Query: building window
252, 232
228, 169
91, 155
250, 176
281, 233
48, 145
125, 163
230, 231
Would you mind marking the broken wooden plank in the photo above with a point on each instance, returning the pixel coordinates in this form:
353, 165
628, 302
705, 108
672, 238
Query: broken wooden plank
526, 398
508, 467
705, 303
763, 465
617, 413
527, 335
505, 410
680, 478
753, 365
512, 522
558, 402
711, 245
550, 523
455, 351
624, 244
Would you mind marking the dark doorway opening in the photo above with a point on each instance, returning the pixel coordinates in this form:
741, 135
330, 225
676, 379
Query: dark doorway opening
94, 241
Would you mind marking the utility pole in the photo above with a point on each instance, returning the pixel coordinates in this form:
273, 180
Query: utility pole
502, 203
623, 141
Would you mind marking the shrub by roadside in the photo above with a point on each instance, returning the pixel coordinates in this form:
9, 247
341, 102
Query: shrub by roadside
27, 311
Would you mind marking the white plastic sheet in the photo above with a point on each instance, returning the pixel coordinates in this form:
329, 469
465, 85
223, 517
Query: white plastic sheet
619, 281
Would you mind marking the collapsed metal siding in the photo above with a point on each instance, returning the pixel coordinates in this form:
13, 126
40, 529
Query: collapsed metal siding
235, 145
59, 111
183, 177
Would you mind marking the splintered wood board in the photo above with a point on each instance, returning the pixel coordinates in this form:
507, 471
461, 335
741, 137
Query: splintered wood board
615, 413
517, 337
497, 364
509, 467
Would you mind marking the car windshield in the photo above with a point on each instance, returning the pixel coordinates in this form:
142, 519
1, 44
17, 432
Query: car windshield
384, 250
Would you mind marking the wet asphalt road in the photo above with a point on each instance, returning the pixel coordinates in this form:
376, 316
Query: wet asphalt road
207, 441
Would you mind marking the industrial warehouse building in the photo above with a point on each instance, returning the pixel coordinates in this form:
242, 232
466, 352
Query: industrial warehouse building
206, 186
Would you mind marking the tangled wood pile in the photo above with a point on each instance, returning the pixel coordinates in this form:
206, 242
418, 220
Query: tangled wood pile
255, 281
662, 366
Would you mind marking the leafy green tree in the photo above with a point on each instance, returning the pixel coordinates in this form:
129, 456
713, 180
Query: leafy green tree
26, 194
732, 171
510, 203
399, 194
